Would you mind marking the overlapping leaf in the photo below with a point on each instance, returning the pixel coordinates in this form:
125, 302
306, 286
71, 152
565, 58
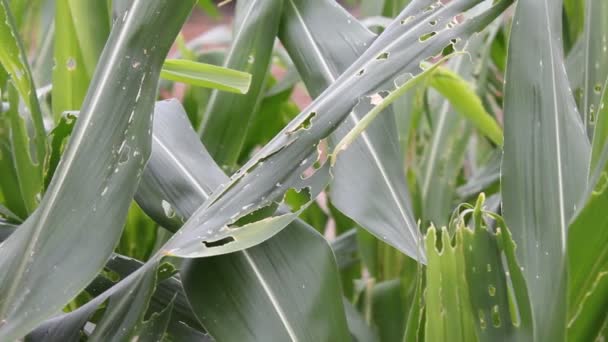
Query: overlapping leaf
88, 200
226, 120
265, 292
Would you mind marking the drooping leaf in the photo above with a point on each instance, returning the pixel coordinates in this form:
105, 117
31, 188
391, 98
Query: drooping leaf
333, 39
545, 161
270, 285
293, 151
88, 200
466, 102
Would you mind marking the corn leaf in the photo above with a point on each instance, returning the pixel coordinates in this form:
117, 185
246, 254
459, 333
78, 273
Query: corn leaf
480, 297
275, 296
545, 162
588, 264
206, 75
227, 117
114, 125
334, 39
76, 50
595, 47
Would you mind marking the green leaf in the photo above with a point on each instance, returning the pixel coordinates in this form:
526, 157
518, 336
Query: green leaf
87, 200
574, 21
206, 75
126, 309
545, 162
209, 7
444, 155
59, 139
333, 39
388, 310
466, 102
595, 46
139, 235
9, 184
81, 30
471, 294
14, 59
271, 285
588, 264
28, 172
226, 121
600, 134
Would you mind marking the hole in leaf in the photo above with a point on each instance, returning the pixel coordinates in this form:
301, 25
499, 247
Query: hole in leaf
254, 216
360, 72
407, 20
495, 316
218, 243
491, 290
598, 88
427, 36
296, 199
111, 275
433, 22
382, 56
482, 319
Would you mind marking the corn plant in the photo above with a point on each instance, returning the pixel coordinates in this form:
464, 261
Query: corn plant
418, 171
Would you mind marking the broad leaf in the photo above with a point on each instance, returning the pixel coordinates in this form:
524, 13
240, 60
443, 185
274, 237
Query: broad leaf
333, 39
545, 162
88, 200
266, 291
471, 293
588, 265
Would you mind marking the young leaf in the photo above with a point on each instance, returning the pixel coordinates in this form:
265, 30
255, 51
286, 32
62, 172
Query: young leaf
206, 75
14, 59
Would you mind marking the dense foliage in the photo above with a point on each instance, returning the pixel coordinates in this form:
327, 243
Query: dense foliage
421, 171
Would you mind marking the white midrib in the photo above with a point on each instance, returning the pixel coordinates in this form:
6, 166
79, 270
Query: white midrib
67, 161
560, 185
329, 75
250, 261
